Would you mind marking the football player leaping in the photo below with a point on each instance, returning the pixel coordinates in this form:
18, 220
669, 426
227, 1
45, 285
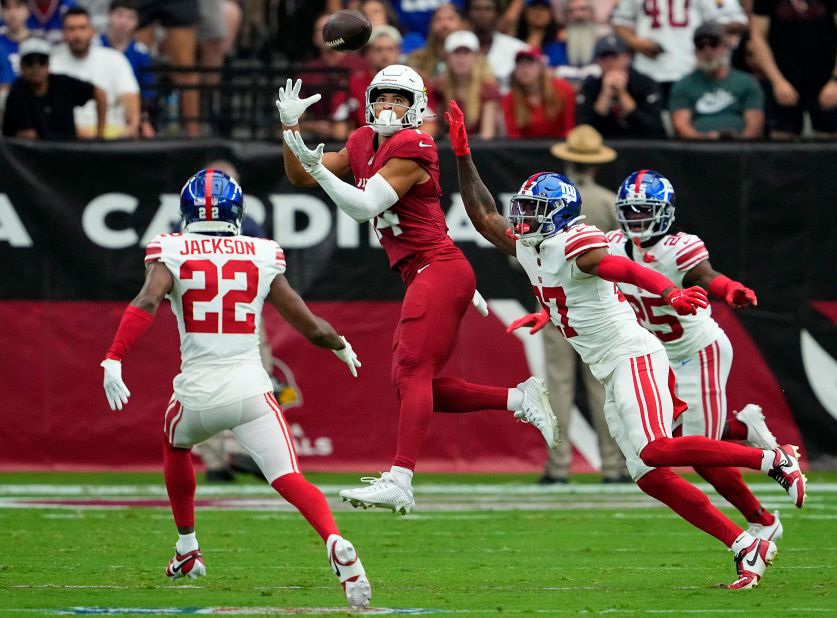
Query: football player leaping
572, 276
217, 282
698, 350
396, 172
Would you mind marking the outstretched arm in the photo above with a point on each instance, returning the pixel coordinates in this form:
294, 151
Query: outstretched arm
318, 331
733, 292
622, 270
479, 203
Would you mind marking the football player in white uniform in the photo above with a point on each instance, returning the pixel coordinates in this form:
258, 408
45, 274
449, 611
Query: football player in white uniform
573, 276
217, 282
698, 350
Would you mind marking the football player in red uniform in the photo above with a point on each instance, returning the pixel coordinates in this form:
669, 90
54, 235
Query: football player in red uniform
395, 167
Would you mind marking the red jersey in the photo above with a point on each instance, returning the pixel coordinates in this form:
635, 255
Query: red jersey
413, 231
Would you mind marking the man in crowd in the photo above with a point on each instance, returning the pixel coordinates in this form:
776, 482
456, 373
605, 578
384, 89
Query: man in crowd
107, 69
499, 48
41, 104
716, 100
622, 102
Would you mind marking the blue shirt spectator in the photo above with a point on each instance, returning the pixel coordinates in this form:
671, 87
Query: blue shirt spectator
46, 17
415, 16
139, 58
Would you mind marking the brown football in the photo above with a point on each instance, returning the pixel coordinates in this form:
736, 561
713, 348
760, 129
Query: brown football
346, 30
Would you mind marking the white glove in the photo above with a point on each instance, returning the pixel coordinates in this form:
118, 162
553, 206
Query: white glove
115, 389
479, 304
310, 159
348, 356
290, 106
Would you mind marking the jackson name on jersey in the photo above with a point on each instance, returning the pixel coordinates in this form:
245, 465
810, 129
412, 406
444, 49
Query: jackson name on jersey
673, 256
220, 285
589, 311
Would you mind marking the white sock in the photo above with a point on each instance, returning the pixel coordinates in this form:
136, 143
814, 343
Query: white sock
744, 540
187, 543
515, 400
767, 458
403, 477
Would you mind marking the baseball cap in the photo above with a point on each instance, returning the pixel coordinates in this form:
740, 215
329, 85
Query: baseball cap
34, 45
709, 30
385, 30
610, 44
529, 52
462, 38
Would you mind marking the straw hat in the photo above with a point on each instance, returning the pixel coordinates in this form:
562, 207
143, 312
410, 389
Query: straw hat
584, 145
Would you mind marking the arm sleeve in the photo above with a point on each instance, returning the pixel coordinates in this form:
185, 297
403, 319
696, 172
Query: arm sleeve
82, 91
690, 254
754, 98
679, 98
622, 270
647, 117
360, 204
124, 78
586, 237
17, 116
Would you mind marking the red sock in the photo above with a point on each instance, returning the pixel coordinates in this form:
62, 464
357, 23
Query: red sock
455, 395
690, 503
180, 483
735, 430
309, 501
415, 392
699, 451
728, 483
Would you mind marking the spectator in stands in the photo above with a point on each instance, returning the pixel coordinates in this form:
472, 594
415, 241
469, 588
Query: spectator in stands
107, 69
499, 49
662, 40
328, 74
429, 61
539, 104
795, 44
46, 18
382, 13
98, 10
716, 101
41, 104
180, 19
14, 14
622, 102
469, 81
418, 16
539, 28
578, 40
583, 153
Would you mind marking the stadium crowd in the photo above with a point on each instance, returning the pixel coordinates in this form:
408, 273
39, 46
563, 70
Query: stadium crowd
706, 69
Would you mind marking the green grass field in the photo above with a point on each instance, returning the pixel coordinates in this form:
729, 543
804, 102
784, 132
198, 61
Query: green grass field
476, 545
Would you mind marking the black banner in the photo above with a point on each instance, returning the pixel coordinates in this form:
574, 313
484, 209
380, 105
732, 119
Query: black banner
74, 218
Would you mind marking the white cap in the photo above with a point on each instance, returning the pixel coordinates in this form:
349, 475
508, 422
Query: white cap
462, 38
34, 45
385, 30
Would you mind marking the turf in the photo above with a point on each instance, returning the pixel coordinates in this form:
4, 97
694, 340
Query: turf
505, 549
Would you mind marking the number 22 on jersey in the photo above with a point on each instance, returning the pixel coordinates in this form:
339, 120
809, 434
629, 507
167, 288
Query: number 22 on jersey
226, 321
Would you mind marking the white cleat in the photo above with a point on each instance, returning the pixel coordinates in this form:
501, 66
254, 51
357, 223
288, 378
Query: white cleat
772, 532
345, 563
189, 565
536, 410
785, 471
751, 564
382, 492
758, 435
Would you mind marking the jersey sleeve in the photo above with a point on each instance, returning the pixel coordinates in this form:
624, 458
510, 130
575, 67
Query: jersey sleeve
625, 13
154, 250
689, 253
279, 262
582, 239
414, 145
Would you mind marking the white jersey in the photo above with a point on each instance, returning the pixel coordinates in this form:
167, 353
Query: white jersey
588, 310
672, 24
220, 285
673, 256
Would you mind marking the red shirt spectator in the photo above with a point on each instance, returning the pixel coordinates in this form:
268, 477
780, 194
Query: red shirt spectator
538, 105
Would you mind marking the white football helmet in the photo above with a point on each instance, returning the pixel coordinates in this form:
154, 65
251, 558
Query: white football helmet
396, 78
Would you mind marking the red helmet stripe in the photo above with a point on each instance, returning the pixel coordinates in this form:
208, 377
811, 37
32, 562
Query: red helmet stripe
207, 194
638, 183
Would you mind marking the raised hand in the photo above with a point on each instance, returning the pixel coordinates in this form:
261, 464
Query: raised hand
458, 136
309, 159
536, 320
688, 301
290, 106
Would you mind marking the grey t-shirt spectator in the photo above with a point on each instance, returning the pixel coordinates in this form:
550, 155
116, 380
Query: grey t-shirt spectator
717, 104
50, 115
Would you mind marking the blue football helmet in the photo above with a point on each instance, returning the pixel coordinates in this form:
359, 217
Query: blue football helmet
645, 205
545, 204
222, 213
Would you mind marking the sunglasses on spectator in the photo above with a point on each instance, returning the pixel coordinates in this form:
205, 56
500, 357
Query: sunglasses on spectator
704, 43
33, 59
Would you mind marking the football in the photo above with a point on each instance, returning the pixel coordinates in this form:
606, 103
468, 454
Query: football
346, 30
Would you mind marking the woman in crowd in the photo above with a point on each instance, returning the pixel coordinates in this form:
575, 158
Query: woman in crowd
429, 61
